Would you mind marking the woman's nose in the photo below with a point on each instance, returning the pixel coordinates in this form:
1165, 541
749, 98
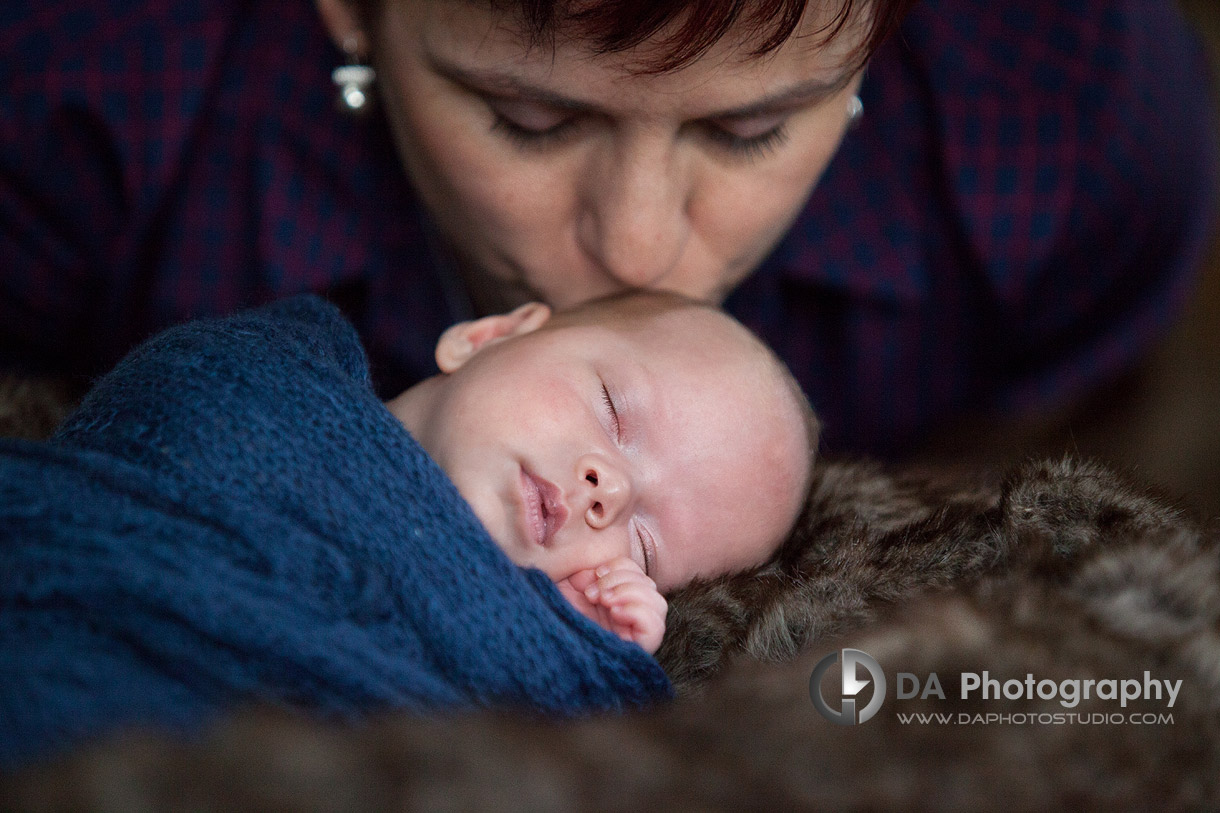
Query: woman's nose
633, 223
606, 490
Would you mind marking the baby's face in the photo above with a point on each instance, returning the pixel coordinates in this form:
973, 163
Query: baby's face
577, 441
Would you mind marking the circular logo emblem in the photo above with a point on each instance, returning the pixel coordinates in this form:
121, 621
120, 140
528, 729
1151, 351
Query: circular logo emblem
851, 686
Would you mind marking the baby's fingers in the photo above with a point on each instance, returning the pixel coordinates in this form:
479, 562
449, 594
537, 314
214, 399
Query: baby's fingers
632, 591
612, 578
607, 584
639, 622
581, 579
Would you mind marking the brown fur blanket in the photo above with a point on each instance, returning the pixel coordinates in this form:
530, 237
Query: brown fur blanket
1062, 569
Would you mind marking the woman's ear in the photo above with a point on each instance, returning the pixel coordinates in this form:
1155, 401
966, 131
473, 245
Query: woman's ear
461, 342
344, 26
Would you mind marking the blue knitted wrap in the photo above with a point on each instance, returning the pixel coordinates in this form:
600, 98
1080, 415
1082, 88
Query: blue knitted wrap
233, 517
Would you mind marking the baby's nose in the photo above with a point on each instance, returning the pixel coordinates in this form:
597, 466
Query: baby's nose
607, 491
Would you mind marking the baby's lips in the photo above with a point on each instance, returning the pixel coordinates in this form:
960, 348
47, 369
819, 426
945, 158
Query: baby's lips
554, 510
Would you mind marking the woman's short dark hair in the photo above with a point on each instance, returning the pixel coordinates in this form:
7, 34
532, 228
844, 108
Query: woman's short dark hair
691, 26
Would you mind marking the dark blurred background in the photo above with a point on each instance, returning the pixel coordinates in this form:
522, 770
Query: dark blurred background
1162, 424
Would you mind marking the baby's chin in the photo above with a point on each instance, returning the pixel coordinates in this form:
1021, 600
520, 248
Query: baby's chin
519, 552
513, 549
396, 407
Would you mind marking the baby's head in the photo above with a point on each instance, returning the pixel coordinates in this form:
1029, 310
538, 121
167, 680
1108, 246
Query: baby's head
643, 425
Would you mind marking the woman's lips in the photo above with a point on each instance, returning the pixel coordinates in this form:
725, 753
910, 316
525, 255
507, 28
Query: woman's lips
543, 508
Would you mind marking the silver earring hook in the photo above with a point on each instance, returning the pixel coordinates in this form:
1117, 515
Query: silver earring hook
855, 109
354, 80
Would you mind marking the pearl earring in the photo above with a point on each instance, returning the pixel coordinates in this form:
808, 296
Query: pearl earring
354, 80
855, 109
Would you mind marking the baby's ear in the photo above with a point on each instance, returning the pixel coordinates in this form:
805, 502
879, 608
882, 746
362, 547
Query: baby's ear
461, 342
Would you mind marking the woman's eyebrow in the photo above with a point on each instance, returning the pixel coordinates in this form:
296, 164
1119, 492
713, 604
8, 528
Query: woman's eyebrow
789, 98
496, 83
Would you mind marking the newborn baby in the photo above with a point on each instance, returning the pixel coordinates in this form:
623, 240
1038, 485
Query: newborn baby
232, 515
624, 447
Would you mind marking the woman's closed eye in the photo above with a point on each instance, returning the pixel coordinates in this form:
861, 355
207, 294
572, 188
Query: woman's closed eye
530, 124
535, 125
748, 138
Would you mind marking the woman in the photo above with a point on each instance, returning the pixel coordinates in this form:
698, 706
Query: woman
1000, 212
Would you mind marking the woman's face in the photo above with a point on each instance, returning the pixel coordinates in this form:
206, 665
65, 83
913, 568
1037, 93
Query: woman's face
561, 175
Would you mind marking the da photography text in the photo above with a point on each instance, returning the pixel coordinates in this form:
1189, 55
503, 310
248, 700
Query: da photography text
1069, 693
844, 703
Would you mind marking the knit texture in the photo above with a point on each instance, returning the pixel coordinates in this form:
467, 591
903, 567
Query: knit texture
232, 516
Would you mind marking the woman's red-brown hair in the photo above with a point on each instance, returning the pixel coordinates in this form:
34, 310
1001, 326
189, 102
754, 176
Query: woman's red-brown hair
685, 29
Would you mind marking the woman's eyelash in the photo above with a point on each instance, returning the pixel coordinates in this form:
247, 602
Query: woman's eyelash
752, 147
610, 408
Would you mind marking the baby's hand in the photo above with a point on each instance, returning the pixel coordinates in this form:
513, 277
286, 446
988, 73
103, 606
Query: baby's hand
619, 597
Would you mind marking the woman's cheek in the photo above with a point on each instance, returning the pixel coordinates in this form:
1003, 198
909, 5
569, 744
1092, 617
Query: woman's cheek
532, 197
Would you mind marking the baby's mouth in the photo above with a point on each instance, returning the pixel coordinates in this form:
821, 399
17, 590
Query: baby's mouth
543, 506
